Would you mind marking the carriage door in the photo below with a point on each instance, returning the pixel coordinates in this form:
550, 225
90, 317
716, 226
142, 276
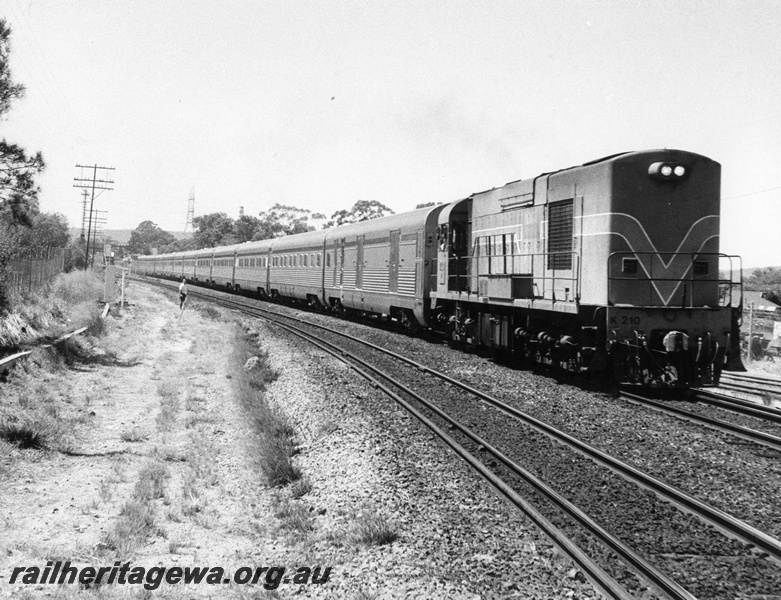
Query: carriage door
393, 280
267, 281
359, 263
340, 260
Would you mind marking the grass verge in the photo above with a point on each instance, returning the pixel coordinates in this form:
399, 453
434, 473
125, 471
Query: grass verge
274, 442
70, 302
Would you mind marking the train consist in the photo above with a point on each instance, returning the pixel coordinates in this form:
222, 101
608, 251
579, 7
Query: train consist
609, 267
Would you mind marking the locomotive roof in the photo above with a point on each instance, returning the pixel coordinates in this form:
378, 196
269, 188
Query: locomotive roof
611, 157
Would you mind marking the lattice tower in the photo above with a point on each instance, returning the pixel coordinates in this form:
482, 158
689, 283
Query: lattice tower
188, 226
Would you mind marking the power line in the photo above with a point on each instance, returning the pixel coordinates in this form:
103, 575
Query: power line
753, 193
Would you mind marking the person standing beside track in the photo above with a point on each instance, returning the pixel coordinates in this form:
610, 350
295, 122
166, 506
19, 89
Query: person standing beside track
182, 294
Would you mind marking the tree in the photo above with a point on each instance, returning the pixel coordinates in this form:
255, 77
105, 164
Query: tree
147, 236
76, 254
46, 229
244, 228
766, 279
283, 220
178, 246
363, 210
426, 204
18, 191
215, 229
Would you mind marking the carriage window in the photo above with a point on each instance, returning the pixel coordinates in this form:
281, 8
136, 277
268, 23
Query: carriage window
318, 259
305, 261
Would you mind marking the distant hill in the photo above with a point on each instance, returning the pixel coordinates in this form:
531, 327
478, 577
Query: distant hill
122, 236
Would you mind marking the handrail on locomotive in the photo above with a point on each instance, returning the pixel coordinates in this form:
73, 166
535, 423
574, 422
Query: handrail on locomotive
726, 286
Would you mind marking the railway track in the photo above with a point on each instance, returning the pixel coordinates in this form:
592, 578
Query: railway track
738, 405
764, 387
762, 438
724, 522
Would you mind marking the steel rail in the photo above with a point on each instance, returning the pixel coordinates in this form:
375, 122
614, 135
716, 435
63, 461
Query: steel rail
753, 378
752, 435
738, 405
598, 577
646, 569
726, 523
750, 387
643, 566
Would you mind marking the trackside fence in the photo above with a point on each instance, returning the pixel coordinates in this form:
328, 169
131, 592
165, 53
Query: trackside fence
31, 269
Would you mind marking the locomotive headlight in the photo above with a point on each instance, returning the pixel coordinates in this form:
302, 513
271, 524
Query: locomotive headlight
665, 171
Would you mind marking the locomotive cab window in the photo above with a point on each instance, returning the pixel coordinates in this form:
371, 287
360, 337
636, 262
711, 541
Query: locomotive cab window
442, 236
629, 266
458, 239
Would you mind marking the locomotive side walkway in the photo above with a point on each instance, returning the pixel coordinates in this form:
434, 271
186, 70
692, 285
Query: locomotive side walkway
163, 432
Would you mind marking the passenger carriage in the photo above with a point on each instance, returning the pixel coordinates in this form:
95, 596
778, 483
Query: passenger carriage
383, 265
252, 263
296, 267
223, 264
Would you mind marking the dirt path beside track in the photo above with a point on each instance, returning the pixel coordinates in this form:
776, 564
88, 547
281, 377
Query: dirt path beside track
155, 465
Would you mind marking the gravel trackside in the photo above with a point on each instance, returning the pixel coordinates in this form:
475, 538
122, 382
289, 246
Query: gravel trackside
728, 473
362, 452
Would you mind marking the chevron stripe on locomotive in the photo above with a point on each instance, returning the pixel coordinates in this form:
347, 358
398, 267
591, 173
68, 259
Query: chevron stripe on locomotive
611, 267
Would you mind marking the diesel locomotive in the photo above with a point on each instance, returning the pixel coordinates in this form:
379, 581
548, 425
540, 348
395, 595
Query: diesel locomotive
610, 267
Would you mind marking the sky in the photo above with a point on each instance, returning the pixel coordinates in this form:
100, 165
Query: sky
320, 103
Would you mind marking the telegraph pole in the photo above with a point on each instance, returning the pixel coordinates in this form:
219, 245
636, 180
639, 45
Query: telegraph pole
94, 184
